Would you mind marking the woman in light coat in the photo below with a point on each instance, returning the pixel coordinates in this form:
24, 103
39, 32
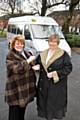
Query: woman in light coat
55, 66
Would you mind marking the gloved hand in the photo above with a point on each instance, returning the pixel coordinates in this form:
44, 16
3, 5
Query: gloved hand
50, 74
36, 67
30, 59
53, 75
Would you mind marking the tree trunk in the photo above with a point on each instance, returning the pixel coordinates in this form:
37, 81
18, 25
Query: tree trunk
44, 8
65, 27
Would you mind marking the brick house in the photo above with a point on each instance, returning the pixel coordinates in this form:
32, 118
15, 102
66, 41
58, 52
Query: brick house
60, 17
3, 21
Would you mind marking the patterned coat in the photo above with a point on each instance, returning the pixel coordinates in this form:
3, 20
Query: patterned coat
21, 82
52, 92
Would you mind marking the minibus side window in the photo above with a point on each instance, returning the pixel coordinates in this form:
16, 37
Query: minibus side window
14, 29
27, 33
9, 28
19, 29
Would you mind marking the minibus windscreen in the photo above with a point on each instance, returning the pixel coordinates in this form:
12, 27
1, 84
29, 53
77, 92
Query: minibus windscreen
45, 31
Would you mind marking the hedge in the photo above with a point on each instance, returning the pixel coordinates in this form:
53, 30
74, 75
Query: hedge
3, 33
73, 40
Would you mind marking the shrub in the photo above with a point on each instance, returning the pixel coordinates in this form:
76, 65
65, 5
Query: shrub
73, 40
2, 33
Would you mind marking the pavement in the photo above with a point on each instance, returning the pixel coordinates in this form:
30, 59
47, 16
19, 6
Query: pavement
76, 49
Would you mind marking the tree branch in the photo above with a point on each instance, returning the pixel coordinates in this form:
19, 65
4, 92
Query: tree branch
55, 4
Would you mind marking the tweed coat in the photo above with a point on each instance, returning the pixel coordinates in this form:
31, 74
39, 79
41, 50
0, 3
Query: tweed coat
21, 83
51, 94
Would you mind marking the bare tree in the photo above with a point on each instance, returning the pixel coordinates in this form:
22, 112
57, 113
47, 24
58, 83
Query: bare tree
47, 4
72, 5
12, 5
41, 6
8, 7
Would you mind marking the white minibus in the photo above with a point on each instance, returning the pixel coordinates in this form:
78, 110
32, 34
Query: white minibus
36, 30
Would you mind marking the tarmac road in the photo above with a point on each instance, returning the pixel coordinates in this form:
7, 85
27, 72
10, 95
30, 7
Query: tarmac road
31, 111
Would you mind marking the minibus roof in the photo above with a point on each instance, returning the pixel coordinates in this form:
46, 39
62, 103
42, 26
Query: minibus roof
33, 20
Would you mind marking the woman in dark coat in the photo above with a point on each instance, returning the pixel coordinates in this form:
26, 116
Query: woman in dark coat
20, 85
55, 66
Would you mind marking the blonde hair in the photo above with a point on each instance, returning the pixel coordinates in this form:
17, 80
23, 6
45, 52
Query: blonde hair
19, 38
54, 36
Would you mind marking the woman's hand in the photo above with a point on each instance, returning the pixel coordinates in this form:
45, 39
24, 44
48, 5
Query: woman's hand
50, 74
30, 59
53, 75
36, 67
